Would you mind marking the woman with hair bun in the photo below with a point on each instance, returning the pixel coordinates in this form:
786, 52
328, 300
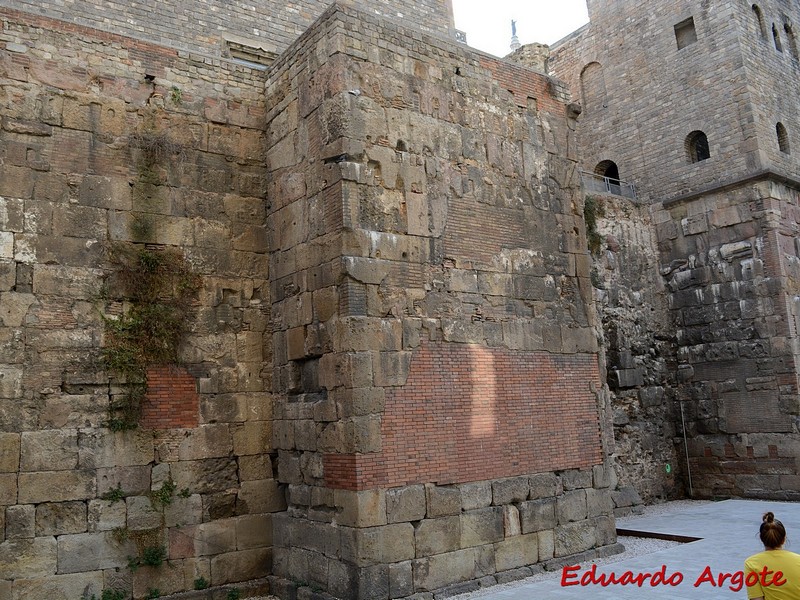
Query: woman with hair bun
774, 558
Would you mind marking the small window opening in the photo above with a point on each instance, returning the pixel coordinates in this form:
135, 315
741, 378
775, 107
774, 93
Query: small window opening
762, 26
697, 147
250, 54
685, 33
787, 28
783, 138
608, 169
777, 37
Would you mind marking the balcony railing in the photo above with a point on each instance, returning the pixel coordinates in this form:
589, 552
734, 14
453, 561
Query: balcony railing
592, 182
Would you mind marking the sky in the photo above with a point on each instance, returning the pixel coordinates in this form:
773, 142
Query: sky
487, 23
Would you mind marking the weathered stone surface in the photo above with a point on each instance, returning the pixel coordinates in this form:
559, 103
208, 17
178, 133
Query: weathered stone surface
241, 566
143, 513
9, 452
56, 486
8, 489
476, 495
517, 552
31, 558
538, 515
205, 476
443, 501
20, 522
436, 536
105, 448
405, 504
598, 502
253, 531
507, 491
92, 551
58, 587
183, 511
511, 521
573, 538
103, 515
481, 526
437, 571
575, 479
260, 497
571, 506
361, 509
401, 580
543, 485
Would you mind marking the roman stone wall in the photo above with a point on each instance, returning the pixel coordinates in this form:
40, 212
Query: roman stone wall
640, 353
431, 293
729, 262
204, 27
642, 96
194, 485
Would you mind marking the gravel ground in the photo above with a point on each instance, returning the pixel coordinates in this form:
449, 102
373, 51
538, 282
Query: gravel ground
634, 546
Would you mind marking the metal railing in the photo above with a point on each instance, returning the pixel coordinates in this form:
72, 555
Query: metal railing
592, 182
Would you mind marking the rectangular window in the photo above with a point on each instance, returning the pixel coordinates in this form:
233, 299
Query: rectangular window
250, 54
685, 33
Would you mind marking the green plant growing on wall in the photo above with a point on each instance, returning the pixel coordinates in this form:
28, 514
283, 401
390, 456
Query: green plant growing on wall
156, 287
201, 583
592, 209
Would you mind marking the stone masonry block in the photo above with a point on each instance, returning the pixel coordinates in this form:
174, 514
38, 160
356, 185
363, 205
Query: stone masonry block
538, 515
436, 536
243, 565
437, 571
58, 587
405, 504
91, 551
52, 450
442, 501
482, 526
511, 522
253, 531
20, 522
576, 479
574, 537
476, 495
105, 516
361, 509
598, 502
264, 496
571, 506
507, 491
546, 545
544, 485
9, 452
518, 551
60, 518
30, 558
55, 486
385, 544
142, 514
401, 580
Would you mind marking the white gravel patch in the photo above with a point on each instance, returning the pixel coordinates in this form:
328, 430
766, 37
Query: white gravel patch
634, 546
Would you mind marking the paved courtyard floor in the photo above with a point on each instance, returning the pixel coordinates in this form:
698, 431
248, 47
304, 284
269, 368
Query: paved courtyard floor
728, 532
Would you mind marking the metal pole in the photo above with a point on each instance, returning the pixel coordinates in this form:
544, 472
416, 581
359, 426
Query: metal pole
686, 449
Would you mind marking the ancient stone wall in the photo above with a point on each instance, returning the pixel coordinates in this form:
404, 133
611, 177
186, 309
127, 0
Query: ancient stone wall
205, 27
430, 299
192, 488
731, 274
640, 351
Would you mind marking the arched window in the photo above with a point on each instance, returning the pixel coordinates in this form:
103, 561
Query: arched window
783, 138
608, 169
777, 37
762, 26
697, 147
593, 86
787, 27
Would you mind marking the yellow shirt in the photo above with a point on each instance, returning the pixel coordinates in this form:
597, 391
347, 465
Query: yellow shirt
775, 560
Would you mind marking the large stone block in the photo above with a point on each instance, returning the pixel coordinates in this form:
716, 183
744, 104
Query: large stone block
252, 437
574, 537
571, 506
9, 452
184, 511
143, 513
482, 526
20, 522
436, 536
167, 579
52, 450
507, 491
405, 504
253, 531
440, 570
261, 496
544, 485
538, 515
105, 448
442, 501
56, 486
103, 515
205, 476
401, 580
243, 565
58, 587
519, 551
476, 495
386, 544
360, 509
60, 518
598, 502
92, 551
31, 558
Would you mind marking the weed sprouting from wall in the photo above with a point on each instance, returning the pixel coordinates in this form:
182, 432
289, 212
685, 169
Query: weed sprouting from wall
592, 209
156, 287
